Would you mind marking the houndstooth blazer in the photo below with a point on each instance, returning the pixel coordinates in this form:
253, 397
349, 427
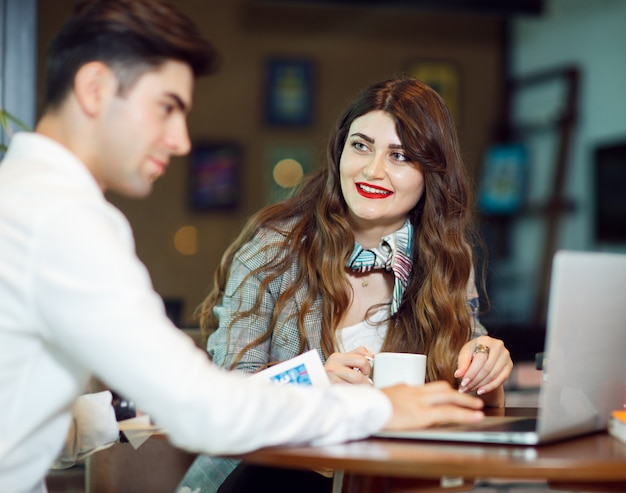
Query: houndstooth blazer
240, 295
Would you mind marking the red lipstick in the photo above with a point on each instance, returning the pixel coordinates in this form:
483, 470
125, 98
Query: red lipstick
371, 191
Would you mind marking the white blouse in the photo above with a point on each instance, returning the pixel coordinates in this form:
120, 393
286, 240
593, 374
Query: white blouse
369, 333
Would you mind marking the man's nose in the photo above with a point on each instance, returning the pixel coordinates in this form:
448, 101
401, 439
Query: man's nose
178, 140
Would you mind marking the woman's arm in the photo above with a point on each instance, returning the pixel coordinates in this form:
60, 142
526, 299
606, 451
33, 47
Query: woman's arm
232, 336
242, 288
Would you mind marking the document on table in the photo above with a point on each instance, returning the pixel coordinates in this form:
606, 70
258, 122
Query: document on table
304, 369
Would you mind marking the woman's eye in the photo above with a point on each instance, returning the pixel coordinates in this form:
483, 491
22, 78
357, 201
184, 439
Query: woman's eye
398, 156
359, 146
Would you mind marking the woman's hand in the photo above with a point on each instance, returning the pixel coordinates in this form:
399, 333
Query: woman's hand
353, 367
484, 365
430, 404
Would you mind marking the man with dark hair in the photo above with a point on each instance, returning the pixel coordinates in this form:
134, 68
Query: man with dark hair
76, 301
130, 37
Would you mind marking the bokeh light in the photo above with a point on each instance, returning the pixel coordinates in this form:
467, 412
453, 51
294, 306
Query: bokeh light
186, 240
288, 173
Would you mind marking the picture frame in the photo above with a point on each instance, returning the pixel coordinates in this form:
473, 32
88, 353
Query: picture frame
444, 77
214, 169
609, 173
289, 92
503, 185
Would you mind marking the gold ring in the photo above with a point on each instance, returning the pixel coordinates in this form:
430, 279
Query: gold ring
481, 348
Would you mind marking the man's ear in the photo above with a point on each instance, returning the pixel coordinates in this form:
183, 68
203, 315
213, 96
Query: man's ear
93, 84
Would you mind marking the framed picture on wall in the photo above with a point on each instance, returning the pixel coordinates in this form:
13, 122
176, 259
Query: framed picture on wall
444, 77
502, 189
609, 199
288, 92
214, 169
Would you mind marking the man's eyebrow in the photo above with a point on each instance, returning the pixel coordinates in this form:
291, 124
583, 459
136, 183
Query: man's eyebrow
179, 102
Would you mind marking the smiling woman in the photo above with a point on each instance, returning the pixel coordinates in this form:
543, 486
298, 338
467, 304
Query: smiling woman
379, 183
372, 253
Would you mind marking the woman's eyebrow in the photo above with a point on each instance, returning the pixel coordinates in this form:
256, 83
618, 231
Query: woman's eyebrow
371, 140
363, 136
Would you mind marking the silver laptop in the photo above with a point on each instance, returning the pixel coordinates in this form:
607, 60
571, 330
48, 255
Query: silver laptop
584, 374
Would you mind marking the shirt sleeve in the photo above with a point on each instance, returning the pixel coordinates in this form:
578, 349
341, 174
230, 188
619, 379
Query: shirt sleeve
478, 329
97, 308
233, 335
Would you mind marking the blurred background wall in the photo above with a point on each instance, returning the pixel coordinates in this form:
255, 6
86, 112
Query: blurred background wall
491, 53
586, 35
349, 47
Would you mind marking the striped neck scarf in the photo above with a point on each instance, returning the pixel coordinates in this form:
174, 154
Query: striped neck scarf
392, 254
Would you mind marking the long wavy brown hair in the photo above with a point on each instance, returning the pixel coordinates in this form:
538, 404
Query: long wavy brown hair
434, 317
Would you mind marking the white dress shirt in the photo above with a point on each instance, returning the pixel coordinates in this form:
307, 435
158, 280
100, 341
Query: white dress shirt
75, 300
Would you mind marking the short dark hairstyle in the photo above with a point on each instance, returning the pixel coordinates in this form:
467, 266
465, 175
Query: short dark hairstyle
132, 37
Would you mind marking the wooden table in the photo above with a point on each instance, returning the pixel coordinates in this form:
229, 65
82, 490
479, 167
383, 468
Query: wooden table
595, 462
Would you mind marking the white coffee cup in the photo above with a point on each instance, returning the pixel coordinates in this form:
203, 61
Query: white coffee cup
394, 368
